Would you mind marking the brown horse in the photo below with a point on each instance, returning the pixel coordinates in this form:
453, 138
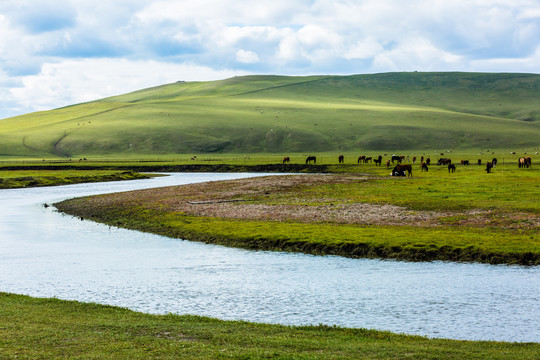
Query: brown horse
489, 166
399, 170
286, 160
340, 159
464, 162
310, 159
361, 158
423, 166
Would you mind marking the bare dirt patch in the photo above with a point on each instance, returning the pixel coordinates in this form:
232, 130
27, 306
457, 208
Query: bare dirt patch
281, 198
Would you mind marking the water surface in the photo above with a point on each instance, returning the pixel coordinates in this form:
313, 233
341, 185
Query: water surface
46, 254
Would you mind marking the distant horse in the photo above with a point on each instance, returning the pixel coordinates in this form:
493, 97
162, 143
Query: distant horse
464, 162
361, 158
367, 159
494, 162
378, 161
310, 159
286, 160
414, 159
423, 166
387, 164
451, 168
444, 161
489, 166
399, 170
397, 158
479, 161
340, 159
525, 162
428, 161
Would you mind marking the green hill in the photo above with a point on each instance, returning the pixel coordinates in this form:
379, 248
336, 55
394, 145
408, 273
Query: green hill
277, 114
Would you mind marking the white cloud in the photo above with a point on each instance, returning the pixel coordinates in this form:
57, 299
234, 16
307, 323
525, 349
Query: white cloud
247, 57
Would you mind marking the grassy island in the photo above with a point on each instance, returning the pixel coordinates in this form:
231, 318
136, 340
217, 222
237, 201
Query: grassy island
464, 216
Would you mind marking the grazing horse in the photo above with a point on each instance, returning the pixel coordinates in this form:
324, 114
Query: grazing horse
310, 159
396, 158
399, 170
489, 166
378, 161
444, 161
361, 158
451, 168
286, 160
423, 166
464, 162
340, 159
525, 162
368, 159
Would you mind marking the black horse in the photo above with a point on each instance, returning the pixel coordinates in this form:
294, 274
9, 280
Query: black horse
310, 159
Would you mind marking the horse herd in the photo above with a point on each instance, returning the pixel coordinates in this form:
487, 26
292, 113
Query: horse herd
406, 169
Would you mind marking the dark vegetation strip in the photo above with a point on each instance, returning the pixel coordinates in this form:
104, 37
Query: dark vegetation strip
386, 242
33, 328
35, 181
280, 168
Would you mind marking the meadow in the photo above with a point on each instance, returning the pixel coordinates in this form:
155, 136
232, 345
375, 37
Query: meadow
32, 328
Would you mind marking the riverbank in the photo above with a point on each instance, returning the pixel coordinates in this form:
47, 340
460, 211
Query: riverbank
33, 328
11, 179
347, 215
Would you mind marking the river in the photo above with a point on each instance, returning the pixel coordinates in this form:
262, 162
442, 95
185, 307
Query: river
46, 254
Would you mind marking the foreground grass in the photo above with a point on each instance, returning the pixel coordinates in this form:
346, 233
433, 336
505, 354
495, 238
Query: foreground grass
487, 217
33, 328
10, 179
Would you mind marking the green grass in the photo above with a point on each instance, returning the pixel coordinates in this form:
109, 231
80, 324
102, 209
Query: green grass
49, 328
10, 179
272, 114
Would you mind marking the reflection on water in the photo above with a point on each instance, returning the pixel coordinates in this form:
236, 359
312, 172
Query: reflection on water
46, 254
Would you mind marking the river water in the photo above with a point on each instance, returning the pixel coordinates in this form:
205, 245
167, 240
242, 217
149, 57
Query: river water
46, 254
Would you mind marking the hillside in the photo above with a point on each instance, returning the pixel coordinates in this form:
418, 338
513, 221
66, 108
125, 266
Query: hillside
277, 114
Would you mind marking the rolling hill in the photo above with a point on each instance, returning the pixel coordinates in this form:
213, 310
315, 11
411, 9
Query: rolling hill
278, 114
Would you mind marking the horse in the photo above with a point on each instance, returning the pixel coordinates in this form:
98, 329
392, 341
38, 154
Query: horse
396, 158
489, 166
378, 161
494, 162
286, 160
367, 159
428, 161
464, 162
340, 159
444, 161
451, 168
414, 159
310, 159
399, 170
387, 164
361, 158
423, 166
524, 162
479, 161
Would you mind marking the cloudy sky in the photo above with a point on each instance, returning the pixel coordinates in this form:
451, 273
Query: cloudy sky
59, 52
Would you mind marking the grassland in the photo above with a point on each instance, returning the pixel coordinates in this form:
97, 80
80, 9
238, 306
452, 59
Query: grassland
10, 179
50, 328
464, 216
284, 115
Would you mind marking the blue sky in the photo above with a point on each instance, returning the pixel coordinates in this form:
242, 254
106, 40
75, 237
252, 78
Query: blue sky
59, 52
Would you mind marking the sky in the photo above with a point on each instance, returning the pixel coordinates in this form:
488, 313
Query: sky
55, 53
